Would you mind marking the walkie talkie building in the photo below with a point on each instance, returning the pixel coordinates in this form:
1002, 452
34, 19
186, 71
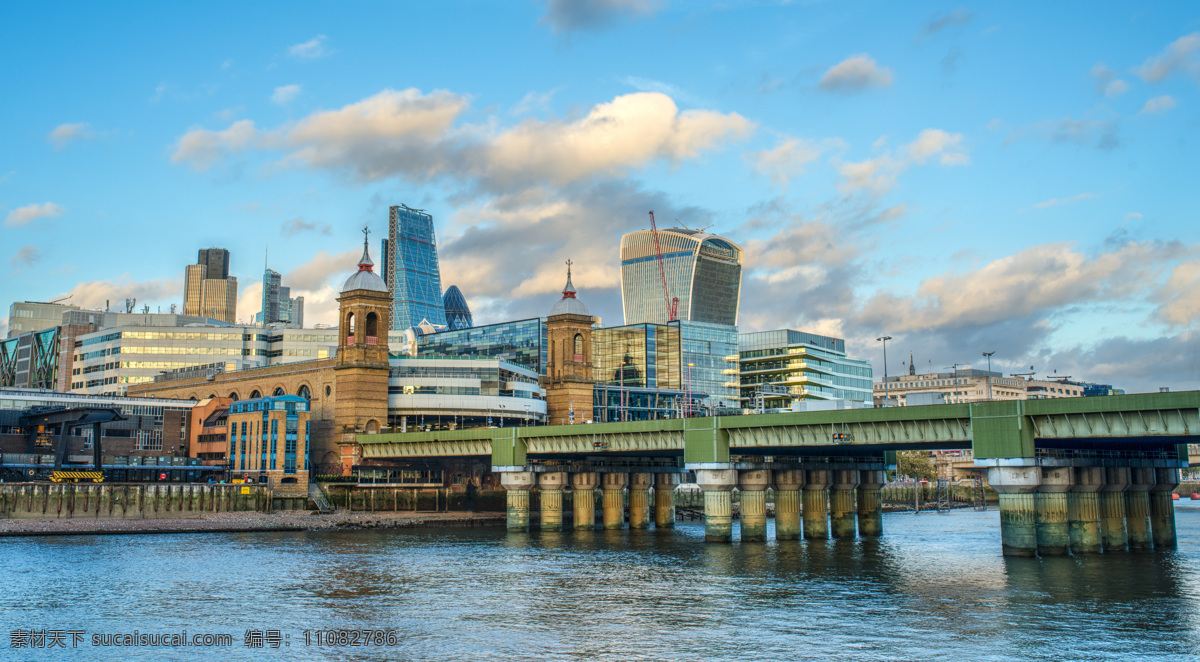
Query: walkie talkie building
702, 270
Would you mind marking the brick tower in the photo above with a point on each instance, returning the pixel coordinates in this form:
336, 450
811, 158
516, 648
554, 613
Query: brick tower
568, 381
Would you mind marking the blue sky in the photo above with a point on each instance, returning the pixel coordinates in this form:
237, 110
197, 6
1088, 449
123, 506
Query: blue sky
962, 177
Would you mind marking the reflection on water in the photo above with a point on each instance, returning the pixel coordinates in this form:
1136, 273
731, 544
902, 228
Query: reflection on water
935, 587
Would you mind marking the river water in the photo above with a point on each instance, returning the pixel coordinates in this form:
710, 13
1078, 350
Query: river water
935, 587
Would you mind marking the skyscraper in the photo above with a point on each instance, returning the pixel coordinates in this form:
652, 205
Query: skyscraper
702, 270
278, 307
208, 289
458, 315
412, 274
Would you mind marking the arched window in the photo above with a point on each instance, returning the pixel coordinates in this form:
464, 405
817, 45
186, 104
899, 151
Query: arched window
578, 347
372, 427
278, 391
234, 396
255, 394
328, 390
350, 328
304, 392
372, 325
211, 396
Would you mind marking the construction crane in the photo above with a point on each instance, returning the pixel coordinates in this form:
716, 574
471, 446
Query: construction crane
672, 304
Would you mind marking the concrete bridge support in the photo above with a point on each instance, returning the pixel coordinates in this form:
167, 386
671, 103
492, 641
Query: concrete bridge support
614, 500
584, 499
1162, 508
1112, 509
1083, 510
639, 500
1016, 486
841, 503
551, 484
787, 503
664, 500
1050, 502
517, 484
870, 503
1137, 508
718, 502
753, 484
816, 504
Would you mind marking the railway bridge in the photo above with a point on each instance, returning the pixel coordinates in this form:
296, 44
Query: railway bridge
1080, 475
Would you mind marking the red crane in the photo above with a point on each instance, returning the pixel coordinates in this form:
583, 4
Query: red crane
671, 304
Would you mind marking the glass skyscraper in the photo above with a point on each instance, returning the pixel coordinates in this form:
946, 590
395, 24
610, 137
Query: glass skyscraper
458, 314
278, 306
806, 365
411, 269
702, 270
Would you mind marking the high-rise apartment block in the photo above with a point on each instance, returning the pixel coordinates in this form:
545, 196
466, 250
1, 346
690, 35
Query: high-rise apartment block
208, 289
703, 271
410, 267
278, 306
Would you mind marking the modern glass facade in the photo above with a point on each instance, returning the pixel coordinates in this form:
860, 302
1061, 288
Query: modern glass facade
458, 315
709, 361
278, 306
807, 365
637, 373
522, 342
30, 360
702, 270
412, 273
452, 393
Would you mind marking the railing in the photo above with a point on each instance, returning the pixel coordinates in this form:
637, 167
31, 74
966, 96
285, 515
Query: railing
372, 340
349, 340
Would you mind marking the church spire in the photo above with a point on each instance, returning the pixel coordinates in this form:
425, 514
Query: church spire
365, 263
569, 290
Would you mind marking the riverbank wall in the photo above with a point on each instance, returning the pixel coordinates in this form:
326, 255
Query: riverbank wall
136, 500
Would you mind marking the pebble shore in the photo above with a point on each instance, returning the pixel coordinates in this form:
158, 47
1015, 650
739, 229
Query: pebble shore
298, 520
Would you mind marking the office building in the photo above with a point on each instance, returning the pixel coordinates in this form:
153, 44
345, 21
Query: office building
208, 289
26, 316
431, 393
970, 385
637, 373
278, 306
44, 359
411, 269
458, 315
703, 271
781, 366
708, 356
522, 342
269, 438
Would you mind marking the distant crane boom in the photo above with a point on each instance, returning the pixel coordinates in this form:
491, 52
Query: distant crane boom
671, 305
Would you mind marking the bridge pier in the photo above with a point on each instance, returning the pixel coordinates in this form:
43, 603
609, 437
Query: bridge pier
816, 504
870, 503
841, 503
551, 484
1051, 519
639, 500
584, 499
664, 500
516, 485
718, 503
753, 484
787, 503
614, 500
1112, 508
1016, 486
1137, 508
1083, 510
1162, 508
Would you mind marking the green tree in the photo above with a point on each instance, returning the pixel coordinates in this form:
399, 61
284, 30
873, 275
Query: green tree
915, 463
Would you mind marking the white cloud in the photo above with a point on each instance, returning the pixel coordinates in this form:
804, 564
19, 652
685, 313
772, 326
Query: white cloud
1159, 105
1179, 296
298, 225
568, 15
65, 133
788, 159
956, 18
202, 147
285, 94
23, 216
878, 175
411, 134
534, 101
1107, 82
310, 50
24, 258
1115, 89
855, 74
1181, 56
1054, 202
93, 294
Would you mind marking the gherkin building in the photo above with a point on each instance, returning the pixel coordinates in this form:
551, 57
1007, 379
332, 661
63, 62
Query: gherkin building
458, 315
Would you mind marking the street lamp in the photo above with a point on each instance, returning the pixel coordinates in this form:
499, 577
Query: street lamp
989, 377
884, 339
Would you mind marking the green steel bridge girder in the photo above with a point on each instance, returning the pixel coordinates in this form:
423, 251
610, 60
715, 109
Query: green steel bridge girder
1009, 429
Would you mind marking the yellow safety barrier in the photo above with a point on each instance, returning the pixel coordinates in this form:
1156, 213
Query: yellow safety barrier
77, 476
